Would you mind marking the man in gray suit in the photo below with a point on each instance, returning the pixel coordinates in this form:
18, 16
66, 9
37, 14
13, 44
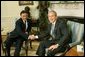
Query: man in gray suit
55, 38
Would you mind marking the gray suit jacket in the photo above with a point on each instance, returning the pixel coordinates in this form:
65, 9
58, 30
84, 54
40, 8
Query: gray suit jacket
61, 33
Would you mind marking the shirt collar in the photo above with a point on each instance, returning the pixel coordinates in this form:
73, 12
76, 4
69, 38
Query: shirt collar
54, 22
24, 21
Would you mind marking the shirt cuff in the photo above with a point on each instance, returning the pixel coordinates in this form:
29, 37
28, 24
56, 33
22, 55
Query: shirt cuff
57, 45
36, 36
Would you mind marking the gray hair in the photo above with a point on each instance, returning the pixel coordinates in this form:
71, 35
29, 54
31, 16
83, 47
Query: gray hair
53, 12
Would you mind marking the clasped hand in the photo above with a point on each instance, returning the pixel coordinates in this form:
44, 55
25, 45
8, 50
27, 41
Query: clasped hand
31, 37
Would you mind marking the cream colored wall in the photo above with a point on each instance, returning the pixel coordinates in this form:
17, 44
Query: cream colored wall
70, 9
10, 11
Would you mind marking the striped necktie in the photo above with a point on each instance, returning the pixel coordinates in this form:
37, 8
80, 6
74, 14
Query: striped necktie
52, 30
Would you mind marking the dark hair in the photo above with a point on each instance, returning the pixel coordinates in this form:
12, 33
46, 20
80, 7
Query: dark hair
23, 11
53, 12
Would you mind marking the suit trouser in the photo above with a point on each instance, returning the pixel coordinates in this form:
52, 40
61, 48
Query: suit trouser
46, 44
18, 44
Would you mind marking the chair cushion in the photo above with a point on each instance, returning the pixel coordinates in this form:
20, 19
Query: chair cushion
77, 30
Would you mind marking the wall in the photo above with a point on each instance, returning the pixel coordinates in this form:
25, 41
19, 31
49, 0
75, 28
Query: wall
69, 9
10, 11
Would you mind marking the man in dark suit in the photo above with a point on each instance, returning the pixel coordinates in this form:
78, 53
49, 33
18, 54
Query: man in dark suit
55, 38
19, 34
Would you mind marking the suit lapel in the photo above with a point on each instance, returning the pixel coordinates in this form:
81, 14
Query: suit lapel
49, 27
23, 24
56, 26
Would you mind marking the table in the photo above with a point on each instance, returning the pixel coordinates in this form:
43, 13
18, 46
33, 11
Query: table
73, 52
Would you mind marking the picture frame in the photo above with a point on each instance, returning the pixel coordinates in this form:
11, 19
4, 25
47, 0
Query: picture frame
65, 2
25, 3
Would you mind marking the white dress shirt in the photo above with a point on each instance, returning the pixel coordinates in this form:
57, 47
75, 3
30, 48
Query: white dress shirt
50, 31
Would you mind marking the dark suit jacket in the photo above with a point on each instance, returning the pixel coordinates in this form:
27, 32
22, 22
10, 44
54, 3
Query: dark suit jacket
19, 30
61, 33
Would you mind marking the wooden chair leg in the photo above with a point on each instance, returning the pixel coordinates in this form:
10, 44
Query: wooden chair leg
26, 46
26, 51
4, 49
31, 44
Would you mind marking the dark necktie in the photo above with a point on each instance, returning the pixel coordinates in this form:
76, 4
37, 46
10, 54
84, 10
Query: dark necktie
26, 25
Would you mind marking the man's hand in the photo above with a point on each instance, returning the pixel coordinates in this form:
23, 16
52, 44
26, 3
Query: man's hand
53, 47
31, 37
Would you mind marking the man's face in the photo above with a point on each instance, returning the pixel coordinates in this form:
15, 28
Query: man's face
24, 16
51, 17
